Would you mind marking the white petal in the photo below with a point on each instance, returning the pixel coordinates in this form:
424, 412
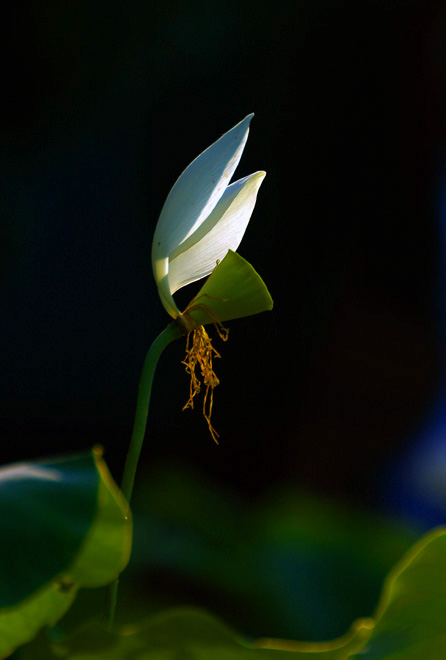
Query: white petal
161, 270
197, 190
221, 231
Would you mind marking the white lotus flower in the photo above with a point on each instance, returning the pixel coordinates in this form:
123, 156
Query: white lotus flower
204, 216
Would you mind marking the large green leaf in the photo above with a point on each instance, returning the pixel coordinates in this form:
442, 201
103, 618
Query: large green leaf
411, 615
21, 624
46, 510
233, 290
64, 525
106, 549
181, 634
410, 625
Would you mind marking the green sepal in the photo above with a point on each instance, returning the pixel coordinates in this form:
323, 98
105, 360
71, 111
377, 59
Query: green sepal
64, 525
233, 290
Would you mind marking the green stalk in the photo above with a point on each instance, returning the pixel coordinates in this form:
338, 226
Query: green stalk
168, 335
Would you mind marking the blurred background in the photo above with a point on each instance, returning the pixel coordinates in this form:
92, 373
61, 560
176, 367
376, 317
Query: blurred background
331, 408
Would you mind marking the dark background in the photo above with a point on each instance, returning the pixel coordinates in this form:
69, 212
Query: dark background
103, 105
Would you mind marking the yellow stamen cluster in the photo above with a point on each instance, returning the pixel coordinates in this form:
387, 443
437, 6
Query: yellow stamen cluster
200, 353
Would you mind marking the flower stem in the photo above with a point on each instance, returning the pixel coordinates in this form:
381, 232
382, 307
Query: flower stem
168, 335
142, 406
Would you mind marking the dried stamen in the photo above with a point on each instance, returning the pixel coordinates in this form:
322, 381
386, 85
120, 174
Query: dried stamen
200, 352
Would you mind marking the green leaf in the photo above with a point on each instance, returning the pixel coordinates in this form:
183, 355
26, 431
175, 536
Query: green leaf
46, 510
64, 526
411, 615
21, 624
106, 549
180, 634
233, 290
